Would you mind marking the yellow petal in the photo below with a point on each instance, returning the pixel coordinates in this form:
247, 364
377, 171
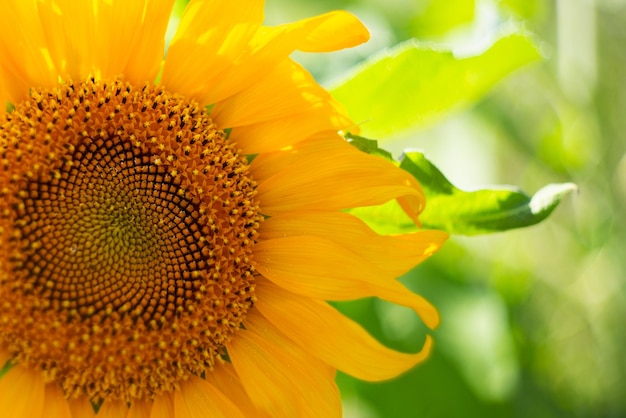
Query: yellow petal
163, 406
223, 376
395, 254
320, 268
338, 31
81, 408
284, 107
327, 173
22, 392
318, 395
269, 164
130, 38
280, 133
199, 399
69, 27
113, 409
262, 375
286, 90
268, 47
117, 32
211, 36
23, 55
335, 339
211, 62
140, 409
280, 378
4, 95
56, 405
145, 61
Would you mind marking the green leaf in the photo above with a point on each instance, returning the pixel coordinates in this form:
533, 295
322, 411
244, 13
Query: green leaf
413, 84
481, 211
456, 211
440, 17
525, 9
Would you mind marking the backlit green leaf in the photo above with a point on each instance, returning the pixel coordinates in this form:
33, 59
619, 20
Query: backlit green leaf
413, 84
440, 17
481, 211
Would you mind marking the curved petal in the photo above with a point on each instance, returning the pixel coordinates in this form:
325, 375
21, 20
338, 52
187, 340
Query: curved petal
23, 52
144, 63
70, 31
113, 409
275, 134
338, 31
395, 254
284, 107
286, 90
136, 44
223, 376
81, 408
140, 409
327, 173
321, 330
13, 387
322, 269
56, 405
116, 46
216, 63
280, 378
211, 36
163, 406
262, 375
268, 47
4, 95
199, 399
105, 38
318, 394
269, 164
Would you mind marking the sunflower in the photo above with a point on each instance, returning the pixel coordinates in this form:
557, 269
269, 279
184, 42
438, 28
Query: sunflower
172, 229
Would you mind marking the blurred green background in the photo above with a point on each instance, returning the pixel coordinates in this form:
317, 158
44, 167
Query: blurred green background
532, 319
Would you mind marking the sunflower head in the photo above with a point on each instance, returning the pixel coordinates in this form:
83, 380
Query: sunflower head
161, 246
128, 221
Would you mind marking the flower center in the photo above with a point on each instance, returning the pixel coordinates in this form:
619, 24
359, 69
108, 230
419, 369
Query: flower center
127, 221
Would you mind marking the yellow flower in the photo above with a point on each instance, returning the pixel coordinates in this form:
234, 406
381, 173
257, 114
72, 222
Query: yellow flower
167, 247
